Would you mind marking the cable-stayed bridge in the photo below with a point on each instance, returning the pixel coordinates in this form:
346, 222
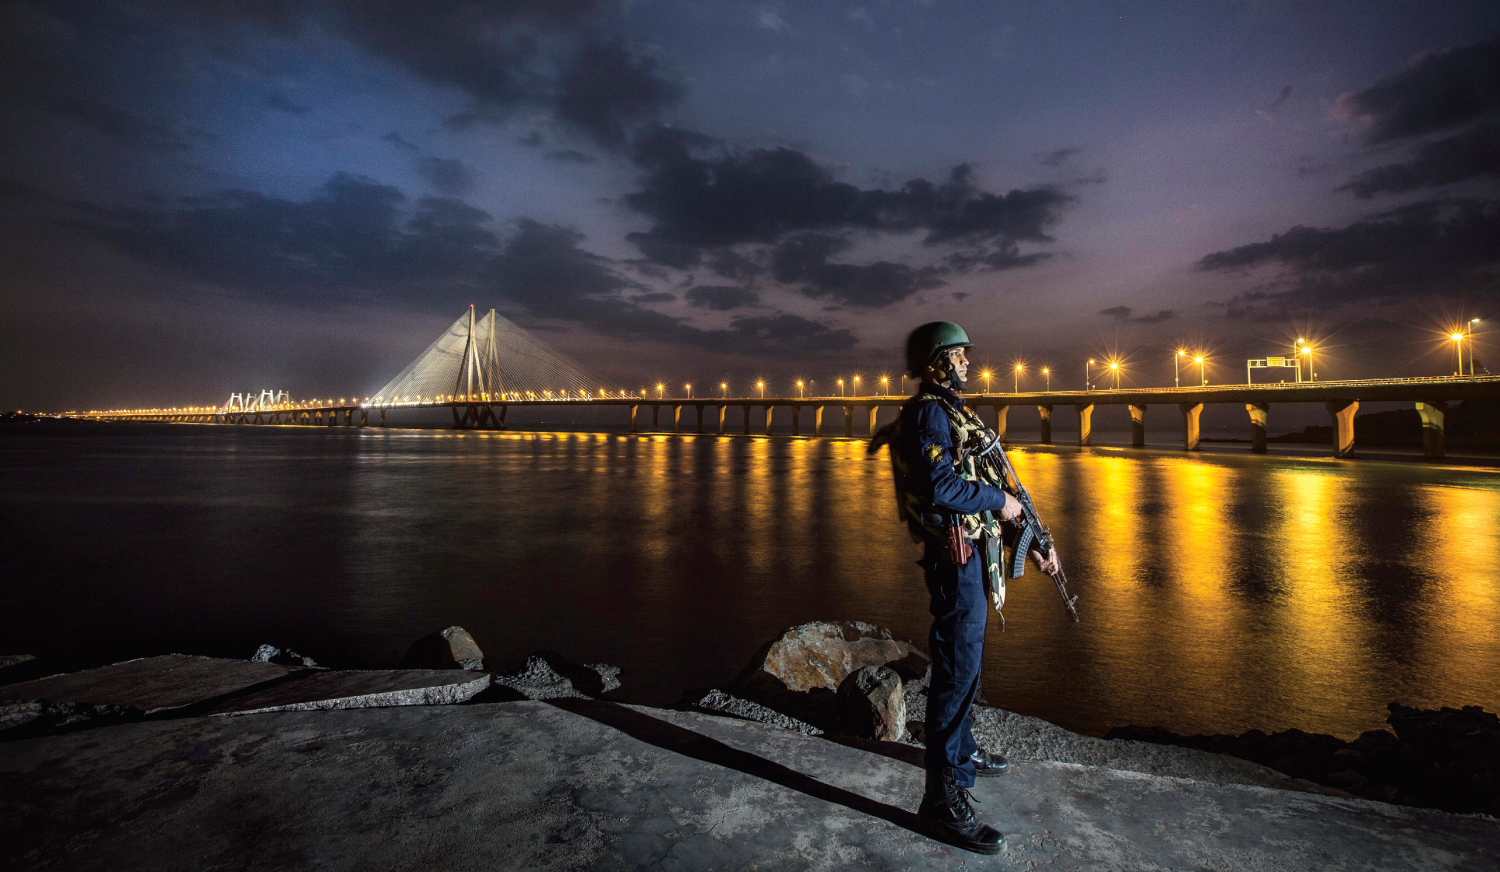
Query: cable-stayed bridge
482, 366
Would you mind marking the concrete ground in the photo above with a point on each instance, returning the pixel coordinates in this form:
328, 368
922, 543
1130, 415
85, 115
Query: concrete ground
587, 784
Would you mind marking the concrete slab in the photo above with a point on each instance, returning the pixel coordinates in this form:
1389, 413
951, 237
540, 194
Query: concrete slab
151, 684
587, 784
361, 689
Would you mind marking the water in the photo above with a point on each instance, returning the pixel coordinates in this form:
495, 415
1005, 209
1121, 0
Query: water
1219, 592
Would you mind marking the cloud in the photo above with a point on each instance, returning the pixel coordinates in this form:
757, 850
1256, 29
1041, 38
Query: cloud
770, 19
703, 199
803, 259
570, 155
398, 141
1437, 91
654, 297
1122, 313
722, 297
353, 238
1422, 250
1281, 97
279, 100
1056, 157
608, 89
446, 175
1471, 154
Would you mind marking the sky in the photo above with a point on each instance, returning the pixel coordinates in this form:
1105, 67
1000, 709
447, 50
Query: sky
198, 199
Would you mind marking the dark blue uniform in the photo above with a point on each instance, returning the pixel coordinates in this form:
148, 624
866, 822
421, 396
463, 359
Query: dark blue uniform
960, 604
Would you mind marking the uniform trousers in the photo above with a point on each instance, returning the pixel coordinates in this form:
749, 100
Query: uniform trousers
960, 613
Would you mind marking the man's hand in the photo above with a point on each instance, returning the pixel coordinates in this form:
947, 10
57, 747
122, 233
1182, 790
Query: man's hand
1048, 564
1012, 509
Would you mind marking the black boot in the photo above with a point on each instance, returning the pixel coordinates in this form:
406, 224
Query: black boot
987, 764
946, 808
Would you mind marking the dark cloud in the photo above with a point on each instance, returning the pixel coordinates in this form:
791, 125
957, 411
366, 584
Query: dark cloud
803, 259
398, 141
446, 175
722, 297
354, 238
1123, 313
571, 155
732, 265
279, 100
1474, 153
654, 297
1422, 250
607, 90
1056, 158
1437, 91
543, 269
704, 199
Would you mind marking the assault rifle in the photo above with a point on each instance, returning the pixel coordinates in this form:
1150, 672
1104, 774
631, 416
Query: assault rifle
1034, 534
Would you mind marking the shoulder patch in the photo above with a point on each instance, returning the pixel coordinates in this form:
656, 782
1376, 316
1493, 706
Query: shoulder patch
934, 452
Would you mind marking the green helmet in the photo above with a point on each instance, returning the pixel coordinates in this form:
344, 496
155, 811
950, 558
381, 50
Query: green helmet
926, 342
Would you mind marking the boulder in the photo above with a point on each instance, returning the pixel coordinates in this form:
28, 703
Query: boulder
372, 688
871, 704
822, 654
152, 684
717, 702
538, 680
453, 648
281, 656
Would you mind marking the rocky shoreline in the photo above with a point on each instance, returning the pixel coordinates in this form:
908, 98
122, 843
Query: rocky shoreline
845, 681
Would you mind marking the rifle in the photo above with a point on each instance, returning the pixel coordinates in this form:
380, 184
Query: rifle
1032, 528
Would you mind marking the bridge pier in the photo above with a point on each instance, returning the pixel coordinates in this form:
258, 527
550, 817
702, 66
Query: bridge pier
818, 421
848, 422
1192, 429
1259, 415
699, 408
656, 417
746, 410
634, 411
1343, 412
770, 411
1434, 439
1046, 413
1137, 426
1002, 422
874, 419
796, 420
723, 416
1085, 423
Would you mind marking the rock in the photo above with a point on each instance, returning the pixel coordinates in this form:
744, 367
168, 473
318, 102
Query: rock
538, 680
717, 702
19, 667
374, 688
594, 679
9, 660
281, 656
872, 705
151, 684
821, 654
37, 716
453, 648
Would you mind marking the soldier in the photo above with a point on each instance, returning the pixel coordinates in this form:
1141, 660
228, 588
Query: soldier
957, 516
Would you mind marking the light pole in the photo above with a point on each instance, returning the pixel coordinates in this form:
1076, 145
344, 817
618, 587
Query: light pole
986, 376
1047, 371
689, 391
800, 394
724, 389
1202, 368
1311, 376
1297, 357
1087, 384
856, 386
885, 384
659, 389
1016, 386
1472, 322
841, 387
1176, 374
761, 386
1114, 366
1459, 338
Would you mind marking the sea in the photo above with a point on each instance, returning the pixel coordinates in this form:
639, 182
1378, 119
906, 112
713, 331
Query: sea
1219, 591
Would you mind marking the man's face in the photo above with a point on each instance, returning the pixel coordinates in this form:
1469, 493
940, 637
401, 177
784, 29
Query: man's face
958, 364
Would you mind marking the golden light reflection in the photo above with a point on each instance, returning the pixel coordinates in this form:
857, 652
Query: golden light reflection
1458, 546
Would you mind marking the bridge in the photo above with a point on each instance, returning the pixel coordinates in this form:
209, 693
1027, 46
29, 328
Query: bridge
482, 367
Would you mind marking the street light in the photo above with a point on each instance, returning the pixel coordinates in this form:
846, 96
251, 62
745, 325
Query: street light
1176, 375
1114, 366
800, 394
1202, 368
986, 376
1016, 387
1311, 376
1047, 371
1087, 385
761, 386
724, 389
1459, 338
1472, 322
841, 387
689, 391
856, 386
659, 389
885, 382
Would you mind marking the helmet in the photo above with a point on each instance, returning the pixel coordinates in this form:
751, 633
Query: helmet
926, 342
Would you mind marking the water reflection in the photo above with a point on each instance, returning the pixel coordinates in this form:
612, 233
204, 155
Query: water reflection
1219, 592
